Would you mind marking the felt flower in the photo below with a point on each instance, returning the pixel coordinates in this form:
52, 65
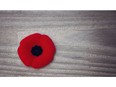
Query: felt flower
36, 50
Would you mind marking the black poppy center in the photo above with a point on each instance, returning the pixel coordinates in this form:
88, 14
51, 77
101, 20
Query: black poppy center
36, 50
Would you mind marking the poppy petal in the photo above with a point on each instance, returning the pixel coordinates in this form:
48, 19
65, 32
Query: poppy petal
30, 40
26, 59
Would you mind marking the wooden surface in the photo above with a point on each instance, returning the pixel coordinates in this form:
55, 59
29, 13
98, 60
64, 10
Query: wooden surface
85, 42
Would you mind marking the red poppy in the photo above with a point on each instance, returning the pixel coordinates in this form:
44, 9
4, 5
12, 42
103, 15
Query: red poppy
36, 50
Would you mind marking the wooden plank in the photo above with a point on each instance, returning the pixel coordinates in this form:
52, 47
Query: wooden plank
85, 42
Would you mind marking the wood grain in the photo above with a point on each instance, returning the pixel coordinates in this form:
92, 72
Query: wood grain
85, 42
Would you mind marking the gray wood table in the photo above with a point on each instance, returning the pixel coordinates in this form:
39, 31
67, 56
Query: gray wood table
85, 42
